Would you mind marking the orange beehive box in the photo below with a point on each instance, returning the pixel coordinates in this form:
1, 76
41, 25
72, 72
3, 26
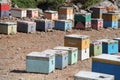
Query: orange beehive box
110, 16
65, 10
79, 41
52, 15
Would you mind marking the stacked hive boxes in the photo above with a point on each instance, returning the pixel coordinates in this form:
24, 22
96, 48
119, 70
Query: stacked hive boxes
66, 13
108, 64
97, 11
109, 46
95, 48
87, 75
42, 62
63, 25
61, 59
72, 53
52, 15
82, 42
32, 13
82, 20
110, 20
44, 25
26, 26
97, 23
118, 39
4, 9
8, 28
18, 12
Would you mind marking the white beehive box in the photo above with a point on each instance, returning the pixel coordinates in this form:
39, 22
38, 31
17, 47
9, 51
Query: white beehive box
87, 75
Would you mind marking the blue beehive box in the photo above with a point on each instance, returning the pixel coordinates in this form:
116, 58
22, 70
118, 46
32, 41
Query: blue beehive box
108, 64
118, 39
63, 25
109, 46
61, 59
40, 62
72, 53
110, 24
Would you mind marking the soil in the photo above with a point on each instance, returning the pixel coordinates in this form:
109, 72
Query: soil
14, 48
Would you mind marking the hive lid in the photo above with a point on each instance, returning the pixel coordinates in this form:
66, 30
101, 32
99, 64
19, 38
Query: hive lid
50, 11
110, 13
93, 75
32, 9
60, 52
117, 39
65, 48
106, 58
27, 22
108, 41
8, 23
44, 54
66, 7
96, 19
95, 42
43, 20
78, 13
63, 20
19, 9
77, 36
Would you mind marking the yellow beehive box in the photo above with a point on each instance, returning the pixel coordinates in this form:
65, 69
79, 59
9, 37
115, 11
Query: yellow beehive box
8, 28
110, 16
65, 10
79, 41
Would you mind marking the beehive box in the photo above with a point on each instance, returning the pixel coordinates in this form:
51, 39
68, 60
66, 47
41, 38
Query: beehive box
65, 10
66, 13
119, 23
4, 7
95, 48
44, 25
79, 41
87, 75
108, 64
97, 11
32, 13
110, 24
110, 16
61, 59
82, 17
26, 26
8, 28
97, 23
82, 25
72, 53
118, 39
109, 46
52, 15
4, 13
83, 54
18, 12
63, 25
40, 62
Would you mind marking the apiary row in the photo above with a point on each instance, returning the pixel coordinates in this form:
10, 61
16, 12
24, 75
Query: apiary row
49, 60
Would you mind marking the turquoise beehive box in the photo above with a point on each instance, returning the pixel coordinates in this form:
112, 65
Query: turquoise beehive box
72, 53
61, 59
40, 62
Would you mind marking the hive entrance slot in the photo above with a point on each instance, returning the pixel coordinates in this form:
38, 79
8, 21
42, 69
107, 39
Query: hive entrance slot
102, 77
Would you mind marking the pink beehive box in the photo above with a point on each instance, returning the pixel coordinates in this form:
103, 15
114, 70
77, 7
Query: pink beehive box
32, 13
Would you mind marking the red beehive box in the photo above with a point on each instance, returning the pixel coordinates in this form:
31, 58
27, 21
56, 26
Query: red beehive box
97, 23
4, 6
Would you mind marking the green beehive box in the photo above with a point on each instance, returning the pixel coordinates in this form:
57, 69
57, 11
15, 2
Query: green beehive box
95, 48
82, 17
72, 53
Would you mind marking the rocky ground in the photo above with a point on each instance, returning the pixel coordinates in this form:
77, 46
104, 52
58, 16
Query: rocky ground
14, 48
